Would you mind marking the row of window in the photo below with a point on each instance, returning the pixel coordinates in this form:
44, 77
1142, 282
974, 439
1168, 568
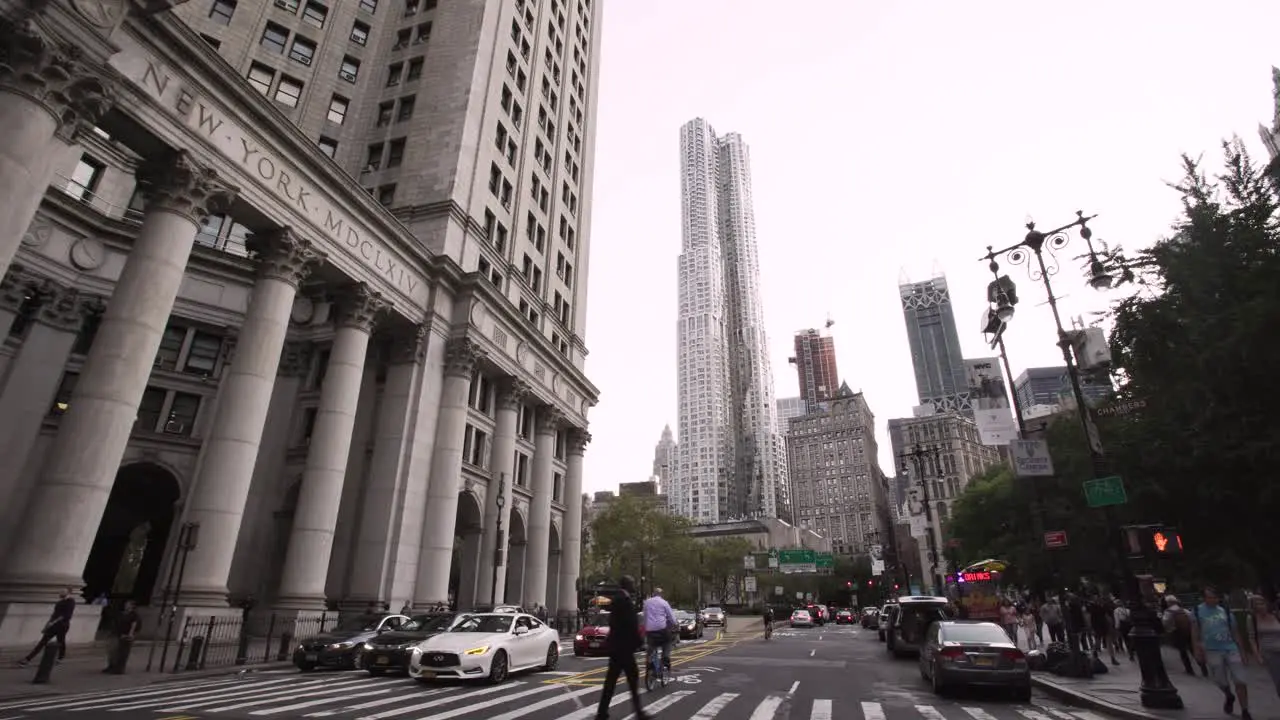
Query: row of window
313, 13
171, 412
477, 447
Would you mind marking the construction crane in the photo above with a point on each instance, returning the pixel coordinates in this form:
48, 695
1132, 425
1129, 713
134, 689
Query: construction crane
830, 322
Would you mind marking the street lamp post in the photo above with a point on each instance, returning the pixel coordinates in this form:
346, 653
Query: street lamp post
1156, 691
919, 454
498, 548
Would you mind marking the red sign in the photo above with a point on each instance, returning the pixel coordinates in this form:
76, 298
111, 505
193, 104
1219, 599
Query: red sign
1055, 538
971, 577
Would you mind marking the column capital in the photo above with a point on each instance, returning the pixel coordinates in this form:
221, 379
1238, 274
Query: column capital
578, 441
14, 287
550, 420
513, 394
409, 346
296, 358
358, 306
62, 308
284, 255
461, 355
51, 74
179, 184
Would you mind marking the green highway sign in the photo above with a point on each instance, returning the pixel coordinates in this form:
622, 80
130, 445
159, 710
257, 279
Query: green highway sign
797, 557
1105, 491
825, 560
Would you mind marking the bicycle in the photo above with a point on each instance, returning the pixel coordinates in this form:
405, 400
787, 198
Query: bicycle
654, 672
768, 630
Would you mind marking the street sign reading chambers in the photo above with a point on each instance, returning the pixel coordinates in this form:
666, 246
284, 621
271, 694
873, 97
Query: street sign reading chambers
1105, 491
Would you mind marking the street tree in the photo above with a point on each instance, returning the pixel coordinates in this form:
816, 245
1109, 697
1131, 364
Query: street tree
633, 536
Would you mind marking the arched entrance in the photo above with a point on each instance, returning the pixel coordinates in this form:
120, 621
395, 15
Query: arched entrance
127, 552
517, 541
553, 571
466, 551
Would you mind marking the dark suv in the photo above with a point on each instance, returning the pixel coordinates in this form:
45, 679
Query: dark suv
909, 621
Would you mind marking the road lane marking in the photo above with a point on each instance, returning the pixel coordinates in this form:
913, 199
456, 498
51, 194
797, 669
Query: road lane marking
872, 711
813, 652
1057, 713
441, 701
766, 708
132, 697
929, 712
468, 709
210, 698
666, 701
794, 685
374, 703
307, 704
29, 704
819, 637
978, 713
596, 675
559, 698
1031, 714
216, 704
713, 708
821, 710
590, 710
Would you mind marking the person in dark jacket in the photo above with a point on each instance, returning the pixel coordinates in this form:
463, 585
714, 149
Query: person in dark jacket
57, 627
624, 640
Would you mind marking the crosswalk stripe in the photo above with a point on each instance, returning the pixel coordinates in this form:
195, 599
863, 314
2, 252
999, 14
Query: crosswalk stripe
769, 706
978, 713
590, 710
435, 703
713, 708
662, 703
33, 704
468, 709
1031, 714
872, 711
374, 703
221, 694
215, 704
96, 703
821, 710
1086, 715
313, 703
521, 712
1061, 714
929, 712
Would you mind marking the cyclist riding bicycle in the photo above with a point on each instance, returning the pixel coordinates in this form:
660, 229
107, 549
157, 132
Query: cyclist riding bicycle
768, 620
659, 619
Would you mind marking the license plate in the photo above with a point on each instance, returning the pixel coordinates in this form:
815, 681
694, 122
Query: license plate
382, 660
595, 644
984, 661
428, 674
311, 657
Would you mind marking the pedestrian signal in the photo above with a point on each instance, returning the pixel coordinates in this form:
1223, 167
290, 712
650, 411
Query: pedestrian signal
1166, 541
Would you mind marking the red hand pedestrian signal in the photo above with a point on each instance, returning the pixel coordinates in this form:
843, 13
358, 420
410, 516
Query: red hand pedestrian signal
1161, 540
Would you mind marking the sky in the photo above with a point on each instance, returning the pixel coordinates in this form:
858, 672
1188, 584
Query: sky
890, 141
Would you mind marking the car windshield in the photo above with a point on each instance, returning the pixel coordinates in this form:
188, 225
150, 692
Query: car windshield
683, 615
801, 613
973, 633
484, 624
360, 623
427, 623
598, 618
712, 611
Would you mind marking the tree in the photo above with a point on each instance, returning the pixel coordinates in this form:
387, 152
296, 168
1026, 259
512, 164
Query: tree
720, 565
634, 536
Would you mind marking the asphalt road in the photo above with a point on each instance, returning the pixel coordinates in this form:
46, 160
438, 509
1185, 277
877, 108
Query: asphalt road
802, 674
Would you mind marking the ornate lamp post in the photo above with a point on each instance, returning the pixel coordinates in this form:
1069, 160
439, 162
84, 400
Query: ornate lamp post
501, 545
1038, 252
920, 455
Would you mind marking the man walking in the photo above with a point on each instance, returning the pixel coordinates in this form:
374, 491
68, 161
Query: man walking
624, 640
126, 629
1217, 639
57, 627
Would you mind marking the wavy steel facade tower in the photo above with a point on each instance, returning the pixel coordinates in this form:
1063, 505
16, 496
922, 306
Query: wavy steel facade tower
730, 454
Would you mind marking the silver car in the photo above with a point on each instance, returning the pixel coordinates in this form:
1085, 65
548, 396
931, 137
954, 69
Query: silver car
713, 616
967, 653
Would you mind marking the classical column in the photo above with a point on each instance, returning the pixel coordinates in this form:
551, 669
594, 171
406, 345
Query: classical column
230, 449
441, 516
306, 564
503, 461
35, 374
516, 554
14, 288
470, 536
372, 568
537, 555
44, 91
571, 533
50, 549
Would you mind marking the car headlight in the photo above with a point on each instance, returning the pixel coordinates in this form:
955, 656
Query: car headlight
366, 647
478, 651
342, 646
579, 637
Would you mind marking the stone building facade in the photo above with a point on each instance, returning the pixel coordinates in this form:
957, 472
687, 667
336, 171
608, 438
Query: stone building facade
212, 324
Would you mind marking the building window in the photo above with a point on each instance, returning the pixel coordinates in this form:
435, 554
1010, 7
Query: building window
289, 91
557, 487
521, 470
406, 108
360, 33
373, 157
203, 353
149, 410
274, 38
475, 447
369, 6
303, 50
387, 194
338, 109
222, 11
260, 77
84, 180
315, 14
62, 400
350, 69
395, 153
415, 69
328, 146
183, 408
394, 73
88, 331
290, 5
385, 111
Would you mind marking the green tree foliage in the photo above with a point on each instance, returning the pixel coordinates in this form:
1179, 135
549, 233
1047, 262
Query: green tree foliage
635, 537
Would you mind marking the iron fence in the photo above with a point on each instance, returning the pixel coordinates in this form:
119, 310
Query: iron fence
214, 642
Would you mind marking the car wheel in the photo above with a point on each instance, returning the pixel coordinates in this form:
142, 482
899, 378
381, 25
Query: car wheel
577, 653
553, 657
498, 668
307, 667
376, 671
935, 682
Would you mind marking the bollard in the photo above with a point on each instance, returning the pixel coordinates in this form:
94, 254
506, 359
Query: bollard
47, 661
193, 658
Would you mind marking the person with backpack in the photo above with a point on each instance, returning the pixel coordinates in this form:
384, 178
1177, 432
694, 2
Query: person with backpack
1217, 639
1177, 622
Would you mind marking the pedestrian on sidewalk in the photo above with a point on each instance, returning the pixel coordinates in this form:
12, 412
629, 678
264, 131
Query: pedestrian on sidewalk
1177, 622
1124, 625
1101, 619
1036, 604
1218, 639
1266, 637
1028, 621
1051, 614
57, 627
623, 641
1009, 620
125, 630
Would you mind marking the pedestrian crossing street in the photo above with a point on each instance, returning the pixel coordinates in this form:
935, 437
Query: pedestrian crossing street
356, 696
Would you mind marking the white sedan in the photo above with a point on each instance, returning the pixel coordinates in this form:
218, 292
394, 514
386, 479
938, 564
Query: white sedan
486, 646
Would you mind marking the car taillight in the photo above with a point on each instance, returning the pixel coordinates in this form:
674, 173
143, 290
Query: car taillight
952, 654
1013, 655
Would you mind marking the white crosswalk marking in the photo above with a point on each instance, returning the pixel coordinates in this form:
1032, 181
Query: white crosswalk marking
766, 709
662, 703
336, 689
526, 710
929, 712
978, 713
821, 710
1031, 714
372, 704
44, 703
590, 710
442, 701
713, 708
872, 711
465, 710
313, 703
235, 691
1060, 714
216, 704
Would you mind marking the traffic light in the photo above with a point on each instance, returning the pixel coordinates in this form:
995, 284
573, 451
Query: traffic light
895, 586
849, 584
1166, 541
1153, 541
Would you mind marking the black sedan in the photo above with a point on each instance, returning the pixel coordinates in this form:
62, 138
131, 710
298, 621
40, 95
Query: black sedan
343, 646
389, 651
689, 624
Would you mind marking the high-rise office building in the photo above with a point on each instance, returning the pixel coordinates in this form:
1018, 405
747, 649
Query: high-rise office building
1051, 386
335, 191
941, 381
815, 361
731, 462
789, 407
664, 459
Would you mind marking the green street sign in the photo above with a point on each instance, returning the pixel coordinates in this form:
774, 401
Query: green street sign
1105, 491
797, 557
826, 560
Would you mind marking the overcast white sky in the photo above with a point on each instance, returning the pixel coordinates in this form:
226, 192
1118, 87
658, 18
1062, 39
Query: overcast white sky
889, 138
